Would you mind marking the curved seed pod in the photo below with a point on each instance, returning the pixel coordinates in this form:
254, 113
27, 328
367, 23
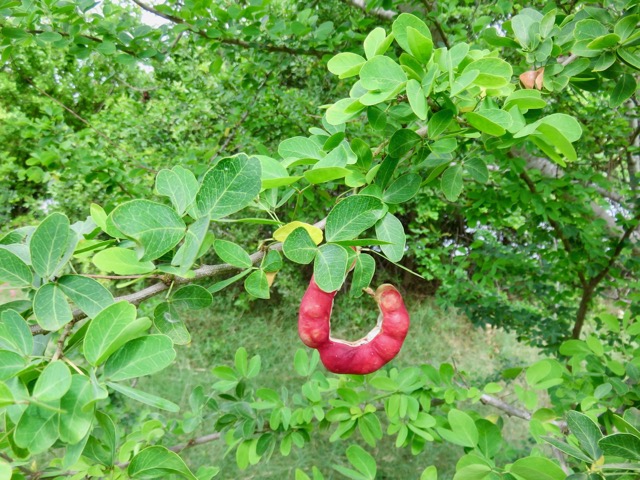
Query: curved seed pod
362, 356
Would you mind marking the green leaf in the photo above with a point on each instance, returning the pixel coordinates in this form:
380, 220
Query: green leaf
402, 142
167, 320
15, 334
429, 473
346, 64
493, 72
144, 397
193, 297
158, 462
631, 58
403, 189
626, 26
101, 445
193, 241
464, 428
352, 216
325, 174
10, 364
5, 470
229, 186
417, 99
51, 308
121, 261
451, 182
625, 87
110, 329
141, 356
155, 227
299, 247
362, 461
272, 262
37, 429
525, 99
299, 148
180, 185
439, 122
257, 284
477, 169
536, 468
586, 431
420, 46
232, 253
330, 266
568, 449
377, 42
89, 295
77, 419
389, 229
216, 287
623, 445
363, 272
491, 121
49, 243
476, 471
13, 270
53, 382
382, 73
400, 27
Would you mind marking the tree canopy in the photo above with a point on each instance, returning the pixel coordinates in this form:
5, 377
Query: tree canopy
156, 155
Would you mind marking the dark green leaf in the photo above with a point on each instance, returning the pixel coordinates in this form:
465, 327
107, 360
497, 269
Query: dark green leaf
89, 295
229, 186
155, 227
257, 284
330, 267
49, 243
13, 270
402, 142
232, 253
51, 308
141, 356
352, 216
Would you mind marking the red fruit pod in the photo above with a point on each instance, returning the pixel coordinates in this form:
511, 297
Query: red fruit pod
362, 356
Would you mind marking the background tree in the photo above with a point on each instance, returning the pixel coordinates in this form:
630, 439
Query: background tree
491, 149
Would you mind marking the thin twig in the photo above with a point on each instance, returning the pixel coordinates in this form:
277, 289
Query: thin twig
234, 41
61, 339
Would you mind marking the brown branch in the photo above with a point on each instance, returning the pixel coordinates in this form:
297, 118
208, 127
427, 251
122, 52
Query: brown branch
233, 41
60, 346
205, 271
514, 411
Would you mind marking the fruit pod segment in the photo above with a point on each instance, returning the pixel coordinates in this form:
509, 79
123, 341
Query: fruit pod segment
362, 356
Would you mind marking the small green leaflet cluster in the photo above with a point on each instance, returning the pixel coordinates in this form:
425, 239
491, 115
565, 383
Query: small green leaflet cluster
595, 35
447, 96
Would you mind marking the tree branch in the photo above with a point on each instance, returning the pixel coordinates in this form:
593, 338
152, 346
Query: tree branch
514, 411
205, 271
234, 41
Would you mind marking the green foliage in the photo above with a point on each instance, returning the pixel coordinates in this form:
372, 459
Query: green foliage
517, 198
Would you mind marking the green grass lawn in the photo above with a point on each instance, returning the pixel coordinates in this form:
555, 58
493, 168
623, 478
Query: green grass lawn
269, 328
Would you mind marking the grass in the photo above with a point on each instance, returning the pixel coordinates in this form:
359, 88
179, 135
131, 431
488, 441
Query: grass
268, 328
